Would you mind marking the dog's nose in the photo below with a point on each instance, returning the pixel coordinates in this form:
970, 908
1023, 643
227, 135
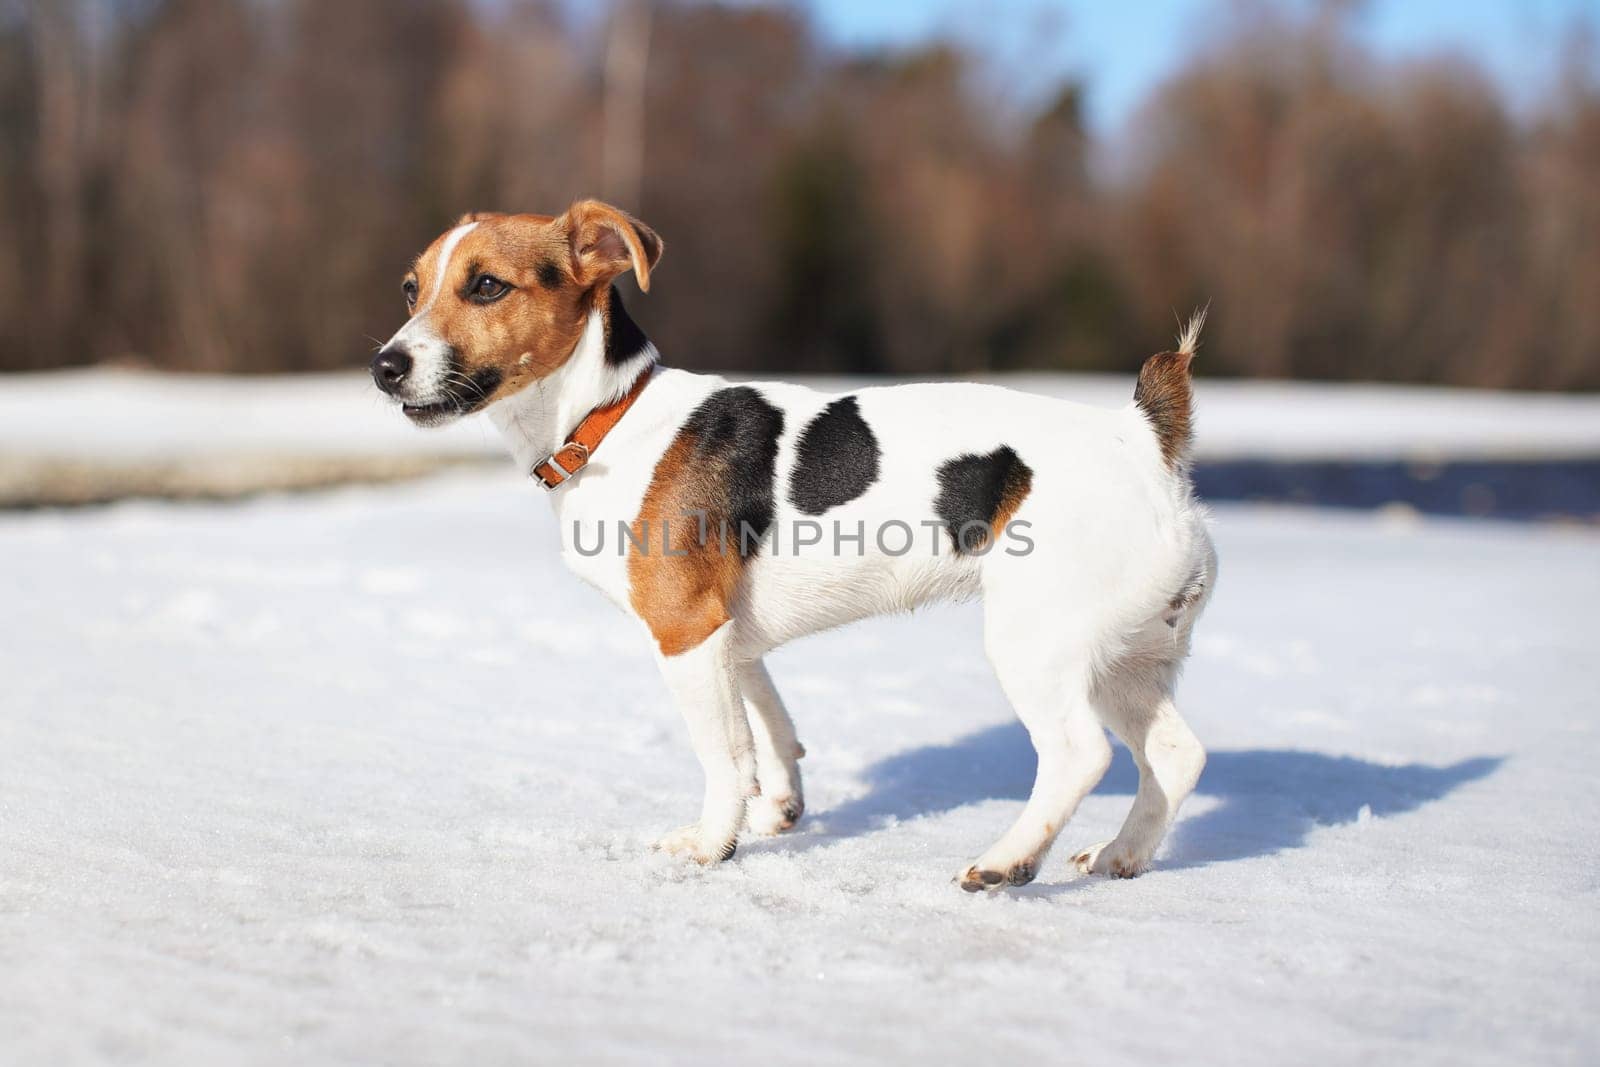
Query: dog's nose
390, 367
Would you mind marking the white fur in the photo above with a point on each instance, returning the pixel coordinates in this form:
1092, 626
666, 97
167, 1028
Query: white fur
430, 354
705, 687
536, 421
1083, 631
1189, 338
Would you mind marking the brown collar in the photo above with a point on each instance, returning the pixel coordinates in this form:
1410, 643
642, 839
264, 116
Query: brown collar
559, 467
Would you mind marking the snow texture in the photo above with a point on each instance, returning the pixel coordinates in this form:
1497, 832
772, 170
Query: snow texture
127, 417
364, 777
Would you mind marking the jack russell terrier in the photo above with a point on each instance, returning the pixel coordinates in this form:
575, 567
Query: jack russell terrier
1077, 526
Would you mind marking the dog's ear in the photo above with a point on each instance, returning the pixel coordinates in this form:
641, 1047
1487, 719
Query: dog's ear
606, 242
478, 216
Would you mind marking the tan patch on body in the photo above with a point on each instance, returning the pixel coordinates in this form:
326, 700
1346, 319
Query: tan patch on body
1018, 484
713, 490
683, 589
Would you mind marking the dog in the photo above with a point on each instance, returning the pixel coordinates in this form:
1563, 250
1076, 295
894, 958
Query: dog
1077, 526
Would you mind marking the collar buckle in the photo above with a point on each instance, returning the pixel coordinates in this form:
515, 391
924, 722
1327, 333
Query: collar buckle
552, 472
562, 465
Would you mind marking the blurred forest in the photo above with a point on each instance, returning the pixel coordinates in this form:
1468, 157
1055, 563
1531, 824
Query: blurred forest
237, 185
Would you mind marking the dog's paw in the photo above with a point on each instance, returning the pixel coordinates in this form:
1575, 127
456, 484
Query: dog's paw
687, 842
973, 879
1107, 860
773, 815
976, 878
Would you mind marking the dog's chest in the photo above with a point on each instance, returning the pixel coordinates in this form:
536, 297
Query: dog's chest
594, 515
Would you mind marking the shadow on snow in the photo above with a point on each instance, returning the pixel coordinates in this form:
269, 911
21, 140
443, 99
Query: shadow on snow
1271, 798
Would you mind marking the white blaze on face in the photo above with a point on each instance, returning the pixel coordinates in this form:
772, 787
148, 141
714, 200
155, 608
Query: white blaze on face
430, 355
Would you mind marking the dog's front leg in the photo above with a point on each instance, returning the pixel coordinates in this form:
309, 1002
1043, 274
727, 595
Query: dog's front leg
705, 686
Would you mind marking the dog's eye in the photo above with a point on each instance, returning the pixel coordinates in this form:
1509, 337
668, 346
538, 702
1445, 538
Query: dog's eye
486, 289
409, 287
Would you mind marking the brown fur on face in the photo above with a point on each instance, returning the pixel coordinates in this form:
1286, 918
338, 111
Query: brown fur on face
558, 268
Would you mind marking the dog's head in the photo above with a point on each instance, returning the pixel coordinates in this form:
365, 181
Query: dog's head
501, 301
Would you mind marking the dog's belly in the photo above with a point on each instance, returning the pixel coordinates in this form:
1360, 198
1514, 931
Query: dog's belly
785, 597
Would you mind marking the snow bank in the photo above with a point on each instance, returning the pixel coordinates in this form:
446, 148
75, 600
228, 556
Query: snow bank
126, 416
365, 777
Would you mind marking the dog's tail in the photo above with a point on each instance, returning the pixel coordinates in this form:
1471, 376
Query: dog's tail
1165, 397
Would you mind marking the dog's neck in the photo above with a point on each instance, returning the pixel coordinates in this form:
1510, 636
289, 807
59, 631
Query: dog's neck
610, 356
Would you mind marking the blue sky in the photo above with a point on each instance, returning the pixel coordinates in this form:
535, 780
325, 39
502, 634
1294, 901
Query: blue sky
1123, 48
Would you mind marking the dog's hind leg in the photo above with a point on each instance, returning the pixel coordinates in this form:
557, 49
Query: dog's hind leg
1052, 698
1136, 704
777, 753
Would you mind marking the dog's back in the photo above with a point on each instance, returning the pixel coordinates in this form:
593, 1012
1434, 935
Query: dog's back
890, 497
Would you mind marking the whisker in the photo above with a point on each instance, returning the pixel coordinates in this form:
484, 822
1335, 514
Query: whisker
466, 384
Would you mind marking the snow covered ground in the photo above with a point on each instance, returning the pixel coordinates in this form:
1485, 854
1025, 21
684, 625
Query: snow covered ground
364, 776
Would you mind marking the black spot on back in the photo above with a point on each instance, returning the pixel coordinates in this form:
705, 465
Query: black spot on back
624, 339
549, 275
735, 433
974, 488
836, 461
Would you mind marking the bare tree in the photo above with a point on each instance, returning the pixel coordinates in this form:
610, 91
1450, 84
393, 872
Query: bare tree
241, 184
627, 58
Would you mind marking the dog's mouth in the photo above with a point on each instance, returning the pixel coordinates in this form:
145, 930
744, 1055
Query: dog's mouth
439, 412
475, 392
